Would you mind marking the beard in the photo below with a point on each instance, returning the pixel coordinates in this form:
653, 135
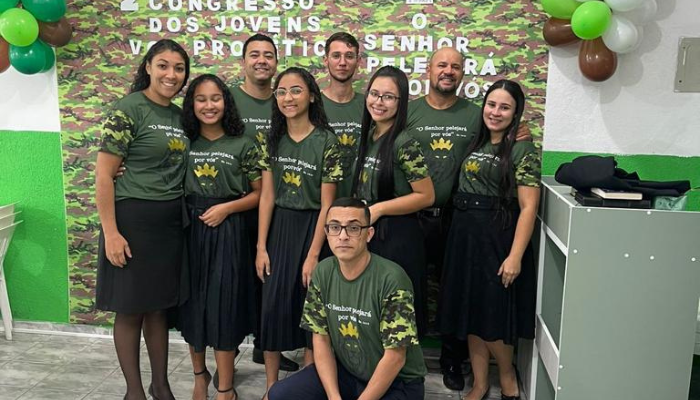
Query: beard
444, 90
339, 79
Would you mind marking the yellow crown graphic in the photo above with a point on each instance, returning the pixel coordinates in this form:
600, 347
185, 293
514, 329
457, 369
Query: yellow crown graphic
206, 171
176, 144
290, 177
347, 140
260, 137
472, 166
349, 330
364, 176
441, 144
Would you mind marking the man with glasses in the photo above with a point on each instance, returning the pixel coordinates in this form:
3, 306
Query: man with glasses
343, 106
359, 308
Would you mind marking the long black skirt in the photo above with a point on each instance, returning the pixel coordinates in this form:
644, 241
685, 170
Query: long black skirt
283, 294
150, 280
473, 300
400, 239
220, 311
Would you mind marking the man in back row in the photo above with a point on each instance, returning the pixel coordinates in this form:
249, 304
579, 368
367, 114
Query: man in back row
359, 308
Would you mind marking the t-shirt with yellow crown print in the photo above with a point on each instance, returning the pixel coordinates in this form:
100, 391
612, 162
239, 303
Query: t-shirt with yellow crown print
346, 121
364, 316
223, 167
150, 139
444, 136
409, 166
299, 168
479, 172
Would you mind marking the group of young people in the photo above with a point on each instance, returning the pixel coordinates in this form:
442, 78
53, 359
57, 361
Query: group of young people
220, 210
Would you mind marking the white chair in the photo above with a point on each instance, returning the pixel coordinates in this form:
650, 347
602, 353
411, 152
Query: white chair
5, 311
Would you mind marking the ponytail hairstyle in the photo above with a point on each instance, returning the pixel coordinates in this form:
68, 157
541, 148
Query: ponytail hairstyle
386, 149
142, 80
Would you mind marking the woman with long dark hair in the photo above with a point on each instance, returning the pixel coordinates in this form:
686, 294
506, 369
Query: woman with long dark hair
141, 238
301, 168
391, 176
221, 183
488, 245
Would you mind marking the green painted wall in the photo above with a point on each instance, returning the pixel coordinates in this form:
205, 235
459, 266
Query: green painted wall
649, 167
36, 266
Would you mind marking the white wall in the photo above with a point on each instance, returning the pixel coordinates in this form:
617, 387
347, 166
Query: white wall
29, 102
636, 111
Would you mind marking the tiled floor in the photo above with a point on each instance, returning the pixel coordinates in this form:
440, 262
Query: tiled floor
53, 367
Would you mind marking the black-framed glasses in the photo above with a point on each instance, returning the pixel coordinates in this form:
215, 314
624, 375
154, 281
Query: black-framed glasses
386, 98
295, 91
351, 230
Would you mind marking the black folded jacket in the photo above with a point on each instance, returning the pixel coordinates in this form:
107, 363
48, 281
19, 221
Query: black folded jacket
586, 172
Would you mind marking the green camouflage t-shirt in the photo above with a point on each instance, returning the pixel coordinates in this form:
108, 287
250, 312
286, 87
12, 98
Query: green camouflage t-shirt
444, 136
365, 316
300, 168
479, 171
150, 139
255, 113
346, 121
223, 167
409, 166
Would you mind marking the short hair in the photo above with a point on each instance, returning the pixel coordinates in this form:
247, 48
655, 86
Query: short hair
342, 37
259, 37
351, 202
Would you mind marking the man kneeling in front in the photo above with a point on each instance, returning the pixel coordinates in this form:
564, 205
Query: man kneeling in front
359, 308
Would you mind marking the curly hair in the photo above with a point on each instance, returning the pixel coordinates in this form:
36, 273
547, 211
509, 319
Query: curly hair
231, 121
142, 80
386, 148
317, 115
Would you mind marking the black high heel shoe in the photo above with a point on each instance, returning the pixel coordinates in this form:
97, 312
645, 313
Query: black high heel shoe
504, 397
207, 376
235, 394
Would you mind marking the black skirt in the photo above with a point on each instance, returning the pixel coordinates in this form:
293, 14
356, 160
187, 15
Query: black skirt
473, 301
400, 239
289, 240
150, 280
220, 311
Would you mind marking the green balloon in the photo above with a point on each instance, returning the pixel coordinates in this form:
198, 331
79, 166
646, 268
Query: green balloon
50, 57
46, 10
562, 9
591, 20
18, 27
7, 4
30, 59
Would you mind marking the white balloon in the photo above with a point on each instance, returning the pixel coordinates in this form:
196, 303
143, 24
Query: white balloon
642, 14
621, 36
623, 5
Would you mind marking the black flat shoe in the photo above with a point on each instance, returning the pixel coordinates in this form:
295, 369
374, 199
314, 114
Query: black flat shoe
452, 378
504, 397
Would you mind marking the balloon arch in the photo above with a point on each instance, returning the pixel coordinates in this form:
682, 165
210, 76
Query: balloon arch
27, 32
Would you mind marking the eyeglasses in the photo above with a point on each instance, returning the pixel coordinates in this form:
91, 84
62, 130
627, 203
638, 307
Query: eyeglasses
351, 230
348, 56
386, 98
295, 91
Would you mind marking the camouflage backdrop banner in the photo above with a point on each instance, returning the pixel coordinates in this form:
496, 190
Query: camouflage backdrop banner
500, 39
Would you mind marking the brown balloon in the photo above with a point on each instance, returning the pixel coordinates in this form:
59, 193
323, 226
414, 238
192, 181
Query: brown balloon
56, 33
4, 55
557, 32
596, 61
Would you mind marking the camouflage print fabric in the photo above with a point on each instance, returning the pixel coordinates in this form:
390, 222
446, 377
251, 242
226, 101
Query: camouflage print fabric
314, 318
398, 326
97, 67
332, 165
412, 162
529, 170
117, 133
365, 316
